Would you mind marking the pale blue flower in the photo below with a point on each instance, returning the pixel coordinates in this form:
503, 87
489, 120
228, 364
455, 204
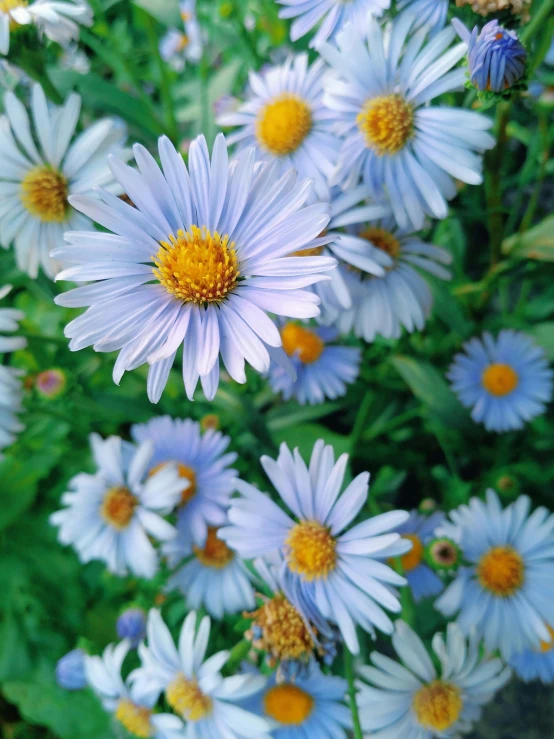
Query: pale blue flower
429, 14
421, 578
505, 381
70, 670
535, 664
131, 625
178, 46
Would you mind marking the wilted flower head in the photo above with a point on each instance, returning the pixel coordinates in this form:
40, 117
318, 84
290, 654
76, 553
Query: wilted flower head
486, 7
51, 383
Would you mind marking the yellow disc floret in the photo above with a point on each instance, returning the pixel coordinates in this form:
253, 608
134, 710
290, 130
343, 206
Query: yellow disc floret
215, 553
197, 266
185, 473
283, 124
500, 379
284, 634
501, 571
383, 240
44, 194
312, 551
288, 704
412, 559
438, 705
386, 123
136, 719
118, 507
186, 699
302, 342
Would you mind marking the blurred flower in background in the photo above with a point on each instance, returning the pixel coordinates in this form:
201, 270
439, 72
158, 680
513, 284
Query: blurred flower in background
10, 383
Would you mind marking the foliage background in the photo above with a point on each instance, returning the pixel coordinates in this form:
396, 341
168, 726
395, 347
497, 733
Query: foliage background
399, 420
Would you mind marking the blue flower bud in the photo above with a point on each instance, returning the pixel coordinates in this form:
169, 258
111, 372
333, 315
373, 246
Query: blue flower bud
496, 57
70, 670
132, 625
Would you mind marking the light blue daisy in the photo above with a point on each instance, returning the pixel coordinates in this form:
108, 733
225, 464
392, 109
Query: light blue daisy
409, 699
429, 14
505, 592
536, 664
204, 464
505, 381
323, 369
334, 565
420, 530
392, 137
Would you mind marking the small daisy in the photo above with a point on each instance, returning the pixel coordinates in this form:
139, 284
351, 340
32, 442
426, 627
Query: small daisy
506, 382
58, 21
429, 14
420, 530
285, 119
536, 664
412, 701
199, 262
323, 369
179, 46
203, 463
333, 14
505, 592
213, 578
335, 567
131, 706
35, 182
310, 706
10, 383
193, 686
111, 514
392, 137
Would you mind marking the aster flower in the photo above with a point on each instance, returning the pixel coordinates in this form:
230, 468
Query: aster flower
10, 383
330, 562
199, 262
70, 670
419, 530
179, 46
323, 369
333, 14
505, 590
131, 706
110, 514
496, 57
193, 685
392, 137
505, 381
58, 20
285, 119
203, 463
35, 181
410, 700
429, 14
213, 577
536, 664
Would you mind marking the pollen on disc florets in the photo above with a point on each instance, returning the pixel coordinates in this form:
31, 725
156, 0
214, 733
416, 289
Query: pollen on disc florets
382, 239
288, 704
136, 719
386, 123
283, 124
215, 553
44, 194
500, 379
186, 699
501, 571
301, 342
118, 507
197, 266
438, 705
412, 559
279, 629
312, 551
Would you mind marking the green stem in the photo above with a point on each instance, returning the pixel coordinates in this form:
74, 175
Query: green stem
537, 21
349, 674
38, 73
237, 654
361, 419
534, 199
165, 82
493, 184
39, 337
205, 118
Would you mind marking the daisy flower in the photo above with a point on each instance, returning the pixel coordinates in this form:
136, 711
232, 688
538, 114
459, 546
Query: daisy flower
110, 514
333, 14
285, 119
420, 530
330, 562
391, 136
10, 383
505, 381
36, 180
199, 262
213, 578
411, 700
179, 46
536, 664
323, 369
505, 590
193, 685
131, 706
203, 463
429, 14
58, 20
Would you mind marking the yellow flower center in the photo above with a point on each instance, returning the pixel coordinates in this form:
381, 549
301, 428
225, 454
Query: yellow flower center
312, 550
382, 240
302, 342
501, 571
44, 194
118, 507
412, 559
288, 704
386, 123
186, 699
438, 705
183, 42
283, 125
215, 552
196, 266
136, 719
7, 5
500, 379
186, 473
284, 633
315, 251
546, 646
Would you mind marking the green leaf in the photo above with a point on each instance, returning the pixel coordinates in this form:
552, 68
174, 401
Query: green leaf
536, 243
166, 11
305, 435
19, 489
544, 334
